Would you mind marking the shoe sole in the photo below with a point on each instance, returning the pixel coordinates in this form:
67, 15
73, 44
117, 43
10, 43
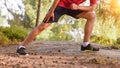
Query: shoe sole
89, 51
20, 54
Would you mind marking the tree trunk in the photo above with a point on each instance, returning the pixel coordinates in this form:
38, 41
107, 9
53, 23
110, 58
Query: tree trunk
38, 13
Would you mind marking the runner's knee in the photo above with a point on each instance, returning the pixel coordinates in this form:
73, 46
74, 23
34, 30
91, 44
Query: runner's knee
90, 16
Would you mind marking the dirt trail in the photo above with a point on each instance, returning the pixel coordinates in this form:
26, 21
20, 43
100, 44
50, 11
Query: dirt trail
58, 54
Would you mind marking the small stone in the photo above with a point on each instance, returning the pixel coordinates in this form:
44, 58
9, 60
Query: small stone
60, 58
41, 57
55, 61
72, 63
59, 50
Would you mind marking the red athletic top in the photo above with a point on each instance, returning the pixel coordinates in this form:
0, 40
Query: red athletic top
67, 3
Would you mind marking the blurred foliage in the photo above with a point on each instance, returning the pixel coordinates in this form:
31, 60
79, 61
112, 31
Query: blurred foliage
106, 30
4, 41
31, 10
14, 34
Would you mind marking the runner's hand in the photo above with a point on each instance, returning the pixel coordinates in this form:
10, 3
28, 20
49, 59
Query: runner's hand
74, 6
48, 16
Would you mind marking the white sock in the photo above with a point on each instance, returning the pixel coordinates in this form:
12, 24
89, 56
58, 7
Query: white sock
84, 44
21, 46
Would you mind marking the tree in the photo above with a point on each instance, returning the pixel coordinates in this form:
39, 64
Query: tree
38, 12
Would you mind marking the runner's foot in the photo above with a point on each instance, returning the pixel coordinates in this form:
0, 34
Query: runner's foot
89, 47
21, 51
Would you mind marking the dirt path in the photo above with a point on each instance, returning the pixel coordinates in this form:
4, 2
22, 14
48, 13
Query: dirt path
58, 54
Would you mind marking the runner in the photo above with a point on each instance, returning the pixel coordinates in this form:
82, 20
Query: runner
71, 8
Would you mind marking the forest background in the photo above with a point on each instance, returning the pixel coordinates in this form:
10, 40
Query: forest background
18, 18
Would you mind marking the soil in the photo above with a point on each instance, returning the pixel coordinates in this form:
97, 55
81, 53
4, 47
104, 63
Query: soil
59, 54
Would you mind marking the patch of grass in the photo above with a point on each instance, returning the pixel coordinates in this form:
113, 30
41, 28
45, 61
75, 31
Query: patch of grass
14, 34
4, 41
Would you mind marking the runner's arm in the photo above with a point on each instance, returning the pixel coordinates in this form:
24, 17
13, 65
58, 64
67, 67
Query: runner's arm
87, 8
83, 8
